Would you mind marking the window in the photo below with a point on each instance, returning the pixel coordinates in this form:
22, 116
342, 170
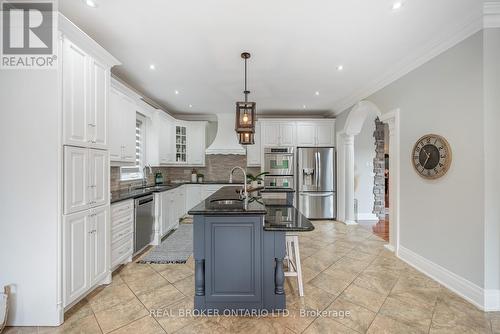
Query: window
129, 173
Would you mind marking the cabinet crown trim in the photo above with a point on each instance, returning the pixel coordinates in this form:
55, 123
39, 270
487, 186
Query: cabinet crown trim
73, 33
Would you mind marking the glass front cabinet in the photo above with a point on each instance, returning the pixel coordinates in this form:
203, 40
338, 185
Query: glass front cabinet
180, 144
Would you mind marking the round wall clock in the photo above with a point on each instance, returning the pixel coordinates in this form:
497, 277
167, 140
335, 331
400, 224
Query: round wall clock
431, 156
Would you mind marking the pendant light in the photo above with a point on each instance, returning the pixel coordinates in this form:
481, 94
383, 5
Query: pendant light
245, 113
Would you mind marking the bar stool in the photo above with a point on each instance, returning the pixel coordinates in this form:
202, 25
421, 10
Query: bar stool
292, 259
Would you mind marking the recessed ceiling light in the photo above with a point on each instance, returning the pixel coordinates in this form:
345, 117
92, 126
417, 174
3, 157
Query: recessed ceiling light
340, 67
397, 5
316, 93
91, 3
190, 106
176, 92
152, 67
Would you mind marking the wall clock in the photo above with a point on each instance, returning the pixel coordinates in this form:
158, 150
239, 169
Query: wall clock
431, 156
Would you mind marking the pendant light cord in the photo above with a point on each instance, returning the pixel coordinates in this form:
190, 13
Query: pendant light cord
246, 92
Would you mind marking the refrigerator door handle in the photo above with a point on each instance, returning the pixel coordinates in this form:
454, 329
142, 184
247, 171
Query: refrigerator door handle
318, 180
316, 194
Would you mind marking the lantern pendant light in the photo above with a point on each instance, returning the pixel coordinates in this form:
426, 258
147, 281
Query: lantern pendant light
245, 113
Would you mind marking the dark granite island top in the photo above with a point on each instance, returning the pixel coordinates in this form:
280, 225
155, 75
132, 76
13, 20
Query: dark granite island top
279, 216
239, 252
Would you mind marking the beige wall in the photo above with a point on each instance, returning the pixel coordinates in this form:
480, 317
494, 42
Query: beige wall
443, 220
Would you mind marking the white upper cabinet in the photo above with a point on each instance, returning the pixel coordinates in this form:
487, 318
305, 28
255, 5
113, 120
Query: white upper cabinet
306, 134
86, 178
181, 142
325, 133
166, 137
270, 134
75, 95
316, 133
196, 143
85, 98
122, 128
287, 134
98, 109
254, 151
278, 133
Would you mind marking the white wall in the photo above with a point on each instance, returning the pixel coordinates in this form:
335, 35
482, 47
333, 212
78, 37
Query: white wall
442, 220
492, 157
364, 153
30, 181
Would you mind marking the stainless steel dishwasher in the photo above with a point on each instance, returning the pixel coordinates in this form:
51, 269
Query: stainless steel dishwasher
144, 222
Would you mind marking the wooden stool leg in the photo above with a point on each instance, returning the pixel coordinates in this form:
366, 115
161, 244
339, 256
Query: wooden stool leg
297, 265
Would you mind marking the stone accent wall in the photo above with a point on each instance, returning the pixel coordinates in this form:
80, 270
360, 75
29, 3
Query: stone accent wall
379, 170
217, 168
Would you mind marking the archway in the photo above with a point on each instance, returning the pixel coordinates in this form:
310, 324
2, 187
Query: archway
345, 165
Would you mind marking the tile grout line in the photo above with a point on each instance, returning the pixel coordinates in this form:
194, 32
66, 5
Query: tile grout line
149, 311
433, 312
352, 282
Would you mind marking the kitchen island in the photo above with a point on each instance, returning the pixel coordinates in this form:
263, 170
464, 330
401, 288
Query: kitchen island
239, 250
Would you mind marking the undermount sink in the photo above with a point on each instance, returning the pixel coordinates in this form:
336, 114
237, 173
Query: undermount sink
227, 203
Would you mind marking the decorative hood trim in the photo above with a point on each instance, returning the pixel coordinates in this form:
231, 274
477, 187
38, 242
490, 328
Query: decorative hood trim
226, 141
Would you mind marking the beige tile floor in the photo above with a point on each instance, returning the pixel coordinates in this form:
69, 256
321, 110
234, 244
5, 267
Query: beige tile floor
346, 269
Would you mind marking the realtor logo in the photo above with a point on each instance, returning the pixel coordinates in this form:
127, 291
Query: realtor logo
28, 30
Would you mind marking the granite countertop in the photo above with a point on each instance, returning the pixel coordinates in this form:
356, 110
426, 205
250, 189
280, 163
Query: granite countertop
279, 216
210, 207
121, 195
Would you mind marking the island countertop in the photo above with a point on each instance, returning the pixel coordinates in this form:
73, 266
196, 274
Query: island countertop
278, 215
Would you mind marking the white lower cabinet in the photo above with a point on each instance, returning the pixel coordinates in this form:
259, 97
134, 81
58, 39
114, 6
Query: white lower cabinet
122, 232
194, 195
85, 251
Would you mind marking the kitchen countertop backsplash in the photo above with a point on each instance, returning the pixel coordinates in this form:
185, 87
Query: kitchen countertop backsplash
217, 167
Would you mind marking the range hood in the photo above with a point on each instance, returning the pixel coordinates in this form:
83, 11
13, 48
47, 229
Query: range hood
226, 140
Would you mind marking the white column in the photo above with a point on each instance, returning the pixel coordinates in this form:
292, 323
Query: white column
340, 178
350, 219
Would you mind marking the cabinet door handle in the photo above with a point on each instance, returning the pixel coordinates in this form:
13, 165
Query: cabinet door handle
92, 125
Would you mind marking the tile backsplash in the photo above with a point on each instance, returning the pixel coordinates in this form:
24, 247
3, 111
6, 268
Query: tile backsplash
217, 168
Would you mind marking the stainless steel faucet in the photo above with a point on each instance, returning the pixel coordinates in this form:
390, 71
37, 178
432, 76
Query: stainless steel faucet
245, 193
144, 174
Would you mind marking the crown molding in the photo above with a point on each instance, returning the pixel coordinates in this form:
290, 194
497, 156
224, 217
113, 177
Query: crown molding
465, 30
491, 14
73, 33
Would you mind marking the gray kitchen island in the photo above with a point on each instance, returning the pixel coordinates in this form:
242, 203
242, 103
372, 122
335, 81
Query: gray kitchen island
239, 250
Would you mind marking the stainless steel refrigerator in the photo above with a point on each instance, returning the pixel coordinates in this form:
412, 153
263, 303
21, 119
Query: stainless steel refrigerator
316, 196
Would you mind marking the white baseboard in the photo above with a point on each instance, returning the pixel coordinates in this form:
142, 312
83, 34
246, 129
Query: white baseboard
367, 216
491, 300
466, 289
350, 222
389, 247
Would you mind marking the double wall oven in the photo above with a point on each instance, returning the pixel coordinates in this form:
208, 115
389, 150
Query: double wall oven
280, 163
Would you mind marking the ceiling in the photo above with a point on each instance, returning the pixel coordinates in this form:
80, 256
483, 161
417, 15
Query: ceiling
296, 46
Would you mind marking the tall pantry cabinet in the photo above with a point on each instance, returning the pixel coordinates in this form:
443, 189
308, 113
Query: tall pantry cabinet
86, 210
